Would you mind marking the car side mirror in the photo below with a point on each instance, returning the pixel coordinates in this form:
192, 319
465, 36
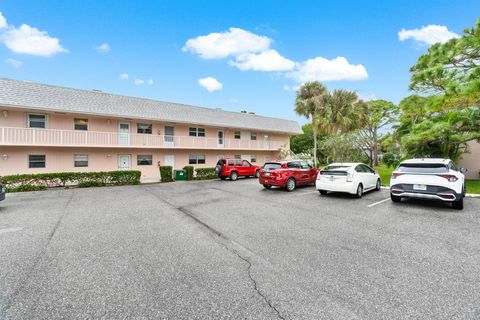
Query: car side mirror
463, 170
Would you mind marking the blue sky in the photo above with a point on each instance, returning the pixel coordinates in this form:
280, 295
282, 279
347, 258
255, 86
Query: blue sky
273, 47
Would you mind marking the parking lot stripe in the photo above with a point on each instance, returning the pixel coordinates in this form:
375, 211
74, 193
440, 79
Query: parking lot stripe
310, 192
10, 230
378, 202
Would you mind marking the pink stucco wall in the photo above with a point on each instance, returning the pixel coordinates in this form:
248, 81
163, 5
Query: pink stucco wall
14, 160
471, 160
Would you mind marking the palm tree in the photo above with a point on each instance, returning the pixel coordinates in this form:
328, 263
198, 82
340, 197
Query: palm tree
340, 114
311, 99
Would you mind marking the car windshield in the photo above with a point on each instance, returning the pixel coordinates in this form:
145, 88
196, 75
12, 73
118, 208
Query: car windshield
335, 168
422, 168
272, 166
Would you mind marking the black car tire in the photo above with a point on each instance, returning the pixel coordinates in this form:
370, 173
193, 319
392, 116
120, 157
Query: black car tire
233, 176
395, 198
290, 185
359, 193
458, 204
323, 192
267, 186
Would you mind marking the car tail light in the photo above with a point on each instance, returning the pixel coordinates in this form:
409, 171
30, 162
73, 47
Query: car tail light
396, 174
349, 177
450, 178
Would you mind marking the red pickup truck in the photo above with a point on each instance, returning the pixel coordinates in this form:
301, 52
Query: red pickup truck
234, 168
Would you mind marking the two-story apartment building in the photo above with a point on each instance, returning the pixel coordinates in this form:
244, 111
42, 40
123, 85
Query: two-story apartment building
46, 128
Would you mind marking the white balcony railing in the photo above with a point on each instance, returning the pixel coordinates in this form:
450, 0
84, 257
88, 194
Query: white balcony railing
53, 137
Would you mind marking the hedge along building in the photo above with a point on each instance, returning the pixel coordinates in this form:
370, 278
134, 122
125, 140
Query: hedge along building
45, 128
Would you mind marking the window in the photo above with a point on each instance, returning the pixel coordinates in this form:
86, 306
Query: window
305, 165
37, 121
238, 162
144, 128
253, 158
230, 163
36, 161
196, 159
253, 136
144, 159
80, 124
237, 156
80, 160
422, 168
294, 165
245, 163
237, 135
196, 132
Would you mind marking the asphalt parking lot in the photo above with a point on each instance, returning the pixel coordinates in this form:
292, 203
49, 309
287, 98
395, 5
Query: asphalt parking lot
232, 250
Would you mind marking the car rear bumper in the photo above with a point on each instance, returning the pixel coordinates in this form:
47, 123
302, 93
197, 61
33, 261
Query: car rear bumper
348, 187
432, 193
272, 181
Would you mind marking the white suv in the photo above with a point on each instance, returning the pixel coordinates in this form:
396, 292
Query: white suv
429, 178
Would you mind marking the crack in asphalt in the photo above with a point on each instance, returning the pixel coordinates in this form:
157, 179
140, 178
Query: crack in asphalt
17, 291
225, 239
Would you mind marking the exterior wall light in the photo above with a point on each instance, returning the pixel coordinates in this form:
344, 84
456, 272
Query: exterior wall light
5, 157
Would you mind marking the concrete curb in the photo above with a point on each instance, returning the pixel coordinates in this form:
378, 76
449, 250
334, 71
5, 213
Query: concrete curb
468, 195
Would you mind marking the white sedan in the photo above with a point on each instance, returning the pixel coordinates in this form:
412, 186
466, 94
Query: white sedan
353, 178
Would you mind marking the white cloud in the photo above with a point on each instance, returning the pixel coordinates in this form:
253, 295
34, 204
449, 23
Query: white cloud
30, 40
428, 35
3, 21
138, 82
124, 76
210, 84
268, 60
150, 82
290, 88
14, 63
103, 48
219, 45
233, 100
322, 69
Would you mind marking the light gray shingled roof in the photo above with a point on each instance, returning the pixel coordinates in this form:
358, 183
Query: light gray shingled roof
15, 93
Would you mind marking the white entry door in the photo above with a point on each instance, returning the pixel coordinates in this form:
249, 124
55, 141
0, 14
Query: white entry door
124, 162
266, 141
169, 138
124, 133
169, 160
220, 139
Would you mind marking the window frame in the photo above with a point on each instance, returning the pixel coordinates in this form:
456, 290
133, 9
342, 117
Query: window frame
144, 124
253, 158
37, 114
75, 161
239, 136
198, 158
253, 136
145, 155
192, 132
30, 161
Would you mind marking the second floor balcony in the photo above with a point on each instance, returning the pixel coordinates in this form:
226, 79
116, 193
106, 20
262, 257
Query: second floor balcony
74, 138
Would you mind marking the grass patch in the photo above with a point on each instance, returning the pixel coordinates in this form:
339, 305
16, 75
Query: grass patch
473, 186
385, 173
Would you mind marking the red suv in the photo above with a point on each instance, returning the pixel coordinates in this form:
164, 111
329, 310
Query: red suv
287, 174
234, 168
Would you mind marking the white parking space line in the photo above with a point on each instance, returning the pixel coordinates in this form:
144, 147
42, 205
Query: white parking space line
7, 230
378, 202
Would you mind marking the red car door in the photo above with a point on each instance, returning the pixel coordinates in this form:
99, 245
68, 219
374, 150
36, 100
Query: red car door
248, 168
294, 170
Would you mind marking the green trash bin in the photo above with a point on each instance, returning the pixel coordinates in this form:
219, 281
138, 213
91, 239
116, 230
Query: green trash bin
180, 175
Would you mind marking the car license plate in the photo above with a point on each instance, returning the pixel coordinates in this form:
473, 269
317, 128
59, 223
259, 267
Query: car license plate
419, 187
267, 174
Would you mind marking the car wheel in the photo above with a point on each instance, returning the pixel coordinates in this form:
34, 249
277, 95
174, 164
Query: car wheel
233, 176
464, 190
257, 173
395, 198
379, 185
267, 186
290, 186
323, 192
359, 193
458, 204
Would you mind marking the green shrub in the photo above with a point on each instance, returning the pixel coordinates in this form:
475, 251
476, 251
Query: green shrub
166, 173
390, 159
41, 181
189, 172
205, 173
26, 187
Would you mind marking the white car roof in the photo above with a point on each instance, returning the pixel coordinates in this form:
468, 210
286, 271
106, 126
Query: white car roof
427, 160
